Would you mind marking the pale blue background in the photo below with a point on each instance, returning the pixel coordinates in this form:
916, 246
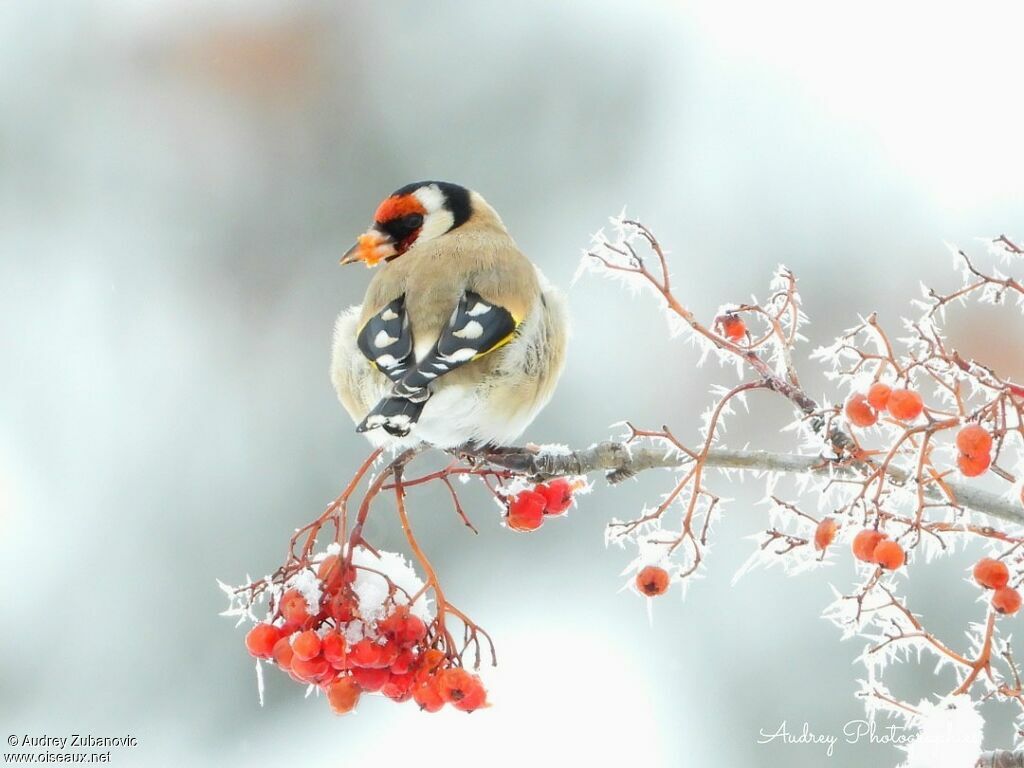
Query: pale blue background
177, 182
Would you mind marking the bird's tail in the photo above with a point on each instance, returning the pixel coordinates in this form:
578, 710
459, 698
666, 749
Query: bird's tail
395, 415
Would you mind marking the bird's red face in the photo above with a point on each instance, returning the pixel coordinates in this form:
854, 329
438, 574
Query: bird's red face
396, 225
415, 213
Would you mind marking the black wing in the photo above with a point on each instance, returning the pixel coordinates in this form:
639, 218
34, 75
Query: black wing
476, 328
386, 340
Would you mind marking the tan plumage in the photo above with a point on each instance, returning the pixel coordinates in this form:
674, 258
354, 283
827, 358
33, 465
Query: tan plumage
491, 398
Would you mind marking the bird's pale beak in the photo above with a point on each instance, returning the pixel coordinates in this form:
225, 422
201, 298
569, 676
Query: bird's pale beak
372, 247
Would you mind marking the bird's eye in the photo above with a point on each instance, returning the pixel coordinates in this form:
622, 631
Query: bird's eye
403, 228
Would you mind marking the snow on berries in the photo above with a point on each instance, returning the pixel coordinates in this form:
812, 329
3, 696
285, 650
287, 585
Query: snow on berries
526, 508
355, 627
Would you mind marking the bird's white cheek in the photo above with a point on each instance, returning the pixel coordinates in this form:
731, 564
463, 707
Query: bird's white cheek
435, 224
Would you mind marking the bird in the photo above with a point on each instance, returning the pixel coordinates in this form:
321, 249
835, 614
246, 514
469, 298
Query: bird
460, 339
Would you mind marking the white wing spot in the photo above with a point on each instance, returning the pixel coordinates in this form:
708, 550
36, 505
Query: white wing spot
388, 314
382, 339
473, 330
386, 361
461, 355
479, 309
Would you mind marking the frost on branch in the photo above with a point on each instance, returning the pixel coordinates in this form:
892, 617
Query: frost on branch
917, 452
889, 467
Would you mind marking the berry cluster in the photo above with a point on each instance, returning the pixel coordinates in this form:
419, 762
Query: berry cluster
526, 510
975, 446
863, 410
872, 546
331, 642
993, 574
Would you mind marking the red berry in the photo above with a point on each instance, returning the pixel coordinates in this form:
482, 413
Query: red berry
991, 573
398, 687
557, 494
427, 695
405, 662
343, 695
260, 640
340, 607
413, 631
332, 645
733, 327
309, 670
461, 689
864, 544
526, 511
370, 680
889, 555
329, 573
653, 581
825, 533
370, 655
859, 412
428, 663
973, 440
328, 677
294, 608
1006, 600
905, 404
283, 653
878, 395
392, 624
972, 466
306, 645
402, 627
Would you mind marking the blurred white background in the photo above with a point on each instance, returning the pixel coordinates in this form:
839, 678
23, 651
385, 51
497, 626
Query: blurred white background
177, 182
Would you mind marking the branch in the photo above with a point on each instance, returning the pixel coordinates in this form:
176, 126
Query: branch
620, 461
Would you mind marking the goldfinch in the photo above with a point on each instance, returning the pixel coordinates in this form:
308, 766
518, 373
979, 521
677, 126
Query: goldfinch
460, 339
